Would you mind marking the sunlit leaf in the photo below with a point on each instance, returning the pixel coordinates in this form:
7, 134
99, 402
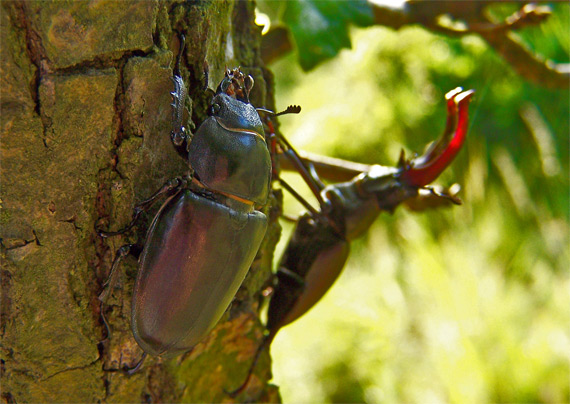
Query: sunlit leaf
320, 28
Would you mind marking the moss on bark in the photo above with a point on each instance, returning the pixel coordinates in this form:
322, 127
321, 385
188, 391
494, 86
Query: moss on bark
85, 135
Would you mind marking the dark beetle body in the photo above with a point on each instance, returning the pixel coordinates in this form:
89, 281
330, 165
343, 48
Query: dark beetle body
205, 236
317, 251
203, 240
300, 283
229, 153
184, 285
319, 246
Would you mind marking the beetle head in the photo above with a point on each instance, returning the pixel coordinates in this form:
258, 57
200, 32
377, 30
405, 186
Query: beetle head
236, 84
235, 115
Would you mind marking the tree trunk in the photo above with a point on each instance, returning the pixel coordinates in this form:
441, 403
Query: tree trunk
86, 120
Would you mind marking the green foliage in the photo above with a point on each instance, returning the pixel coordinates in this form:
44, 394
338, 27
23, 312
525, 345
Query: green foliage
319, 28
468, 304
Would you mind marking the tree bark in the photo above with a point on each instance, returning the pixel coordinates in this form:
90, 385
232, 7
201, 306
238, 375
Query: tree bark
85, 136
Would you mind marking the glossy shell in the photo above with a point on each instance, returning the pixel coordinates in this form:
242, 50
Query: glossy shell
316, 255
229, 153
196, 255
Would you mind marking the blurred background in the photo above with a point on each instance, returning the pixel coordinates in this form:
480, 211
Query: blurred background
463, 304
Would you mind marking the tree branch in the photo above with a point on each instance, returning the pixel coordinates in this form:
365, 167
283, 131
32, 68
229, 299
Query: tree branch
467, 18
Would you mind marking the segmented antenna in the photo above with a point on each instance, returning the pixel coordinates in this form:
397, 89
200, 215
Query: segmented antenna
291, 109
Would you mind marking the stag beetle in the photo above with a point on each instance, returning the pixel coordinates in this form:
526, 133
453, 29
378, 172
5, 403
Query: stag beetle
183, 285
319, 246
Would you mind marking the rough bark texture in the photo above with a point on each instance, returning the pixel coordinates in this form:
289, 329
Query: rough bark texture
85, 136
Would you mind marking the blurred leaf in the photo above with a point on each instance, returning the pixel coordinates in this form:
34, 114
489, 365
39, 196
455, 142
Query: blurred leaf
320, 28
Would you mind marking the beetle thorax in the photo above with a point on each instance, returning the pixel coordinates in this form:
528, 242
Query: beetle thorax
228, 152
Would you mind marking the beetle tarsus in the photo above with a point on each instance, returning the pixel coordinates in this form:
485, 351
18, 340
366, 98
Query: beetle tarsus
266, 342
112, 279
111, 282
137, 367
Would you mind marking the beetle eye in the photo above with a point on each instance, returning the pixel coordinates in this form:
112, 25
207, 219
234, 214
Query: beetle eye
216, 108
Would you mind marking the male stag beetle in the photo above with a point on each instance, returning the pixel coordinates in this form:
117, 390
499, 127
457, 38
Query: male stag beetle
319, 246
183, 285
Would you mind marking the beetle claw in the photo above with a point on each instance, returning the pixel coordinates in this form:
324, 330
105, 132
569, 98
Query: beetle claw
137, 367
424, 169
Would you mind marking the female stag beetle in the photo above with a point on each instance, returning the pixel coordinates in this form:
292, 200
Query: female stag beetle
183, 285
319, 246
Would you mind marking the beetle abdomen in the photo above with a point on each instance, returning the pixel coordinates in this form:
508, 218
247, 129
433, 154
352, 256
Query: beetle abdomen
316, 255
196, 256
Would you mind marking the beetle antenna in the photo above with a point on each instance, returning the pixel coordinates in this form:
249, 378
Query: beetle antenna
291, 109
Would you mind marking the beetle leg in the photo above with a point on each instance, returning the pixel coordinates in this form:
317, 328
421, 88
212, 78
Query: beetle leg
302, 200
136, 368
313, 183
310, 176
289, 218
168, 188
291, 275
264, 344
179, 135
314, 173
111, 282
125, 250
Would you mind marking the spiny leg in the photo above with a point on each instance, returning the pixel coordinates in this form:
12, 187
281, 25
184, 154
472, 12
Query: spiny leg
272, 138
179, 135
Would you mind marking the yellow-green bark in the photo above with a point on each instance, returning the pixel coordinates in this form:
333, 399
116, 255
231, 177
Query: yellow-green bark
85, 136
